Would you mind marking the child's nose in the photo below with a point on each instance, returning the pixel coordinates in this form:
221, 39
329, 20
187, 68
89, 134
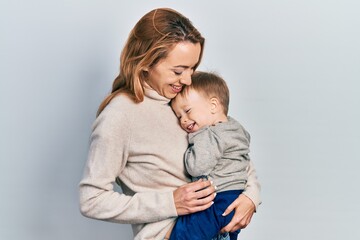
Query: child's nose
183, 119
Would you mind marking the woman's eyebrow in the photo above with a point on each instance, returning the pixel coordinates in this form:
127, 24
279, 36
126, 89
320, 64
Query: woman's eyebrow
181, 66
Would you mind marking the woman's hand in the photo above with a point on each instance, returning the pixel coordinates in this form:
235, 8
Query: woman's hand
244, 210
194, 197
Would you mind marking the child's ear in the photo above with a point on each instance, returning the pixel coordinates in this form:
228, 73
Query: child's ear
214, 104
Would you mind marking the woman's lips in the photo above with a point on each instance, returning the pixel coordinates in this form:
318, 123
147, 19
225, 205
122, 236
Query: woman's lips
176, 89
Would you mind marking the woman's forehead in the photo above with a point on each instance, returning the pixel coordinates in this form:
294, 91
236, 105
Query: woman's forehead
184, 55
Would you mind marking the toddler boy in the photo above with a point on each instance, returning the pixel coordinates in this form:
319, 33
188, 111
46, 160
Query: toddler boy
218, 150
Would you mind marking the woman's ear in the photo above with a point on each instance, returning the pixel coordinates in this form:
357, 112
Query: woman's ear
215, 105
145, 72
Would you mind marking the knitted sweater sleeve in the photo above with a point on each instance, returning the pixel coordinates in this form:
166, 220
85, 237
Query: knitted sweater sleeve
107, 158
252, 189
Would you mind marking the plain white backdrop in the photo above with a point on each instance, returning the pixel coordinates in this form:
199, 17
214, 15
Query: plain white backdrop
293, 68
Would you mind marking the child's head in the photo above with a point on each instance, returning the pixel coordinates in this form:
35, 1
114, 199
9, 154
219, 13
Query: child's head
205, 102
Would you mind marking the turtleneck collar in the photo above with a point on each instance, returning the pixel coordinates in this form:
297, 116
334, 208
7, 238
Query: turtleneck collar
152, 94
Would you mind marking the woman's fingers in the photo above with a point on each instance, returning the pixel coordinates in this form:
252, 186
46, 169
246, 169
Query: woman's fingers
244, 210
198, 185
201, 207
231, 207
194, 197
204, 190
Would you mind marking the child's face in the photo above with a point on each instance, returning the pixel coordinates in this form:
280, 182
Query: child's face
194, 111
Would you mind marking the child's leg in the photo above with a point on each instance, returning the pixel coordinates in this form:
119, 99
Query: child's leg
234, 235
197, 226
221, 236
205, 224
225, 199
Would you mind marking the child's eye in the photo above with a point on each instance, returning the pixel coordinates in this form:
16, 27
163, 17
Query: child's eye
188, 110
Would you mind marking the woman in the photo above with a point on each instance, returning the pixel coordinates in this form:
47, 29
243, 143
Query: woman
137, 142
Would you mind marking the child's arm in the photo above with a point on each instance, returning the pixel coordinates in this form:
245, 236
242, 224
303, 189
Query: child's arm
203, 153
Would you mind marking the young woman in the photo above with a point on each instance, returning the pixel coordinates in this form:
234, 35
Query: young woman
137, 142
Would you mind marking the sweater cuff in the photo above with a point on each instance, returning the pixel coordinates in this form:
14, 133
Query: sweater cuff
171, 204
254, 196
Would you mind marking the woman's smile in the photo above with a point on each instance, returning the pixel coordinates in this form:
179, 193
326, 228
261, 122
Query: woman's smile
176, 88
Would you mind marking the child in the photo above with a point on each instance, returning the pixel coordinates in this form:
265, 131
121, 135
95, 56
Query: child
218, 150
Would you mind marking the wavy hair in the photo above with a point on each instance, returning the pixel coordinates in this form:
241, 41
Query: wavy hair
151, 39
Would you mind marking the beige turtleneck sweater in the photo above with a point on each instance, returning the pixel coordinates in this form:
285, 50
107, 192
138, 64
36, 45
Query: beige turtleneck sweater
142, 146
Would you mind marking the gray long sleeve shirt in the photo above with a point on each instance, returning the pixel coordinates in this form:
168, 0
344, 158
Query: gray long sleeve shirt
220, 152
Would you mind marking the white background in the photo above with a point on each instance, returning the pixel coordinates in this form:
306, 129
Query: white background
293, 68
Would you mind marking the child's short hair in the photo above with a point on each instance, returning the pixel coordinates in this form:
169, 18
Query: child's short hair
210, 85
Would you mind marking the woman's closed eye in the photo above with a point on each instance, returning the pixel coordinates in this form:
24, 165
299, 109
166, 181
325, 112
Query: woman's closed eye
178, 73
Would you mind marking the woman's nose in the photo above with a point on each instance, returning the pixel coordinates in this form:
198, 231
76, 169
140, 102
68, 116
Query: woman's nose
186, 78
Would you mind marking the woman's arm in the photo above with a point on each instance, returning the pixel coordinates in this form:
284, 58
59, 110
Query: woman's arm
108, 153
246, 204
107, 158
253, 187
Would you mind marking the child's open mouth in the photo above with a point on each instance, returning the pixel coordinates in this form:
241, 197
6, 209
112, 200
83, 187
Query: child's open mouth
190, 127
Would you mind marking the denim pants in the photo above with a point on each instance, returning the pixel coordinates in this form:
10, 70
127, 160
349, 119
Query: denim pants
224, 236
206, 225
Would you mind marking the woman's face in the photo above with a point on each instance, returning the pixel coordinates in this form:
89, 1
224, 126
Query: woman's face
168, 76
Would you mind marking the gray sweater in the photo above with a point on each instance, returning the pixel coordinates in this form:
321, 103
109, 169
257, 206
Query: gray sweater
141, 145
220, 152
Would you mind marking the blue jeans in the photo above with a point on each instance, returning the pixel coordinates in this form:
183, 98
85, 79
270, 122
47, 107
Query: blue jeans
224, 236
206, 225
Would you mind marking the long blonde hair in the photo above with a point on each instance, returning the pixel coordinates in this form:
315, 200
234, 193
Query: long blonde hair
149, 41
